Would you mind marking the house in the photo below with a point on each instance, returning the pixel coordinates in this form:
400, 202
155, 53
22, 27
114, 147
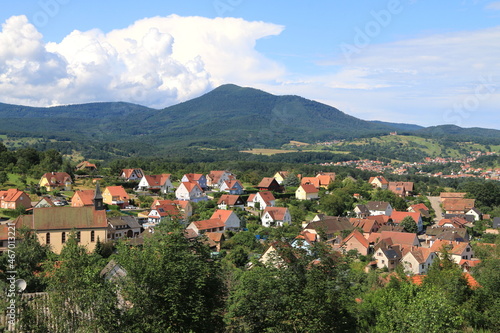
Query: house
157, 183
307, 192
387, 256
217, 177
451, 195
355, 241
233, 186
276, 217
476, 213
468, 265
86, 166
212, 225
316, 182
44, 202
185, 208
190, 191
115, 195
456, 250
261, 200
230, 219
420, 208
379, 182
230, 201
161, 211
54, 225
379, 208
361, 211
269, 184
329, 227
197, 178
123, 226
402, 189
304, 241
397, 217
215, 240
132, 174
418, 260
368, 226
278, 254
82, 198
326, 178
14, 199
405, 239
496, 223
280, 176
60, 181
454, 222
458, 206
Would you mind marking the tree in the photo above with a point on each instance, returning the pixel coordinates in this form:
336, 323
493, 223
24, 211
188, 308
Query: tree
408, 223
172, 282
78, 298
291, 180
3, 177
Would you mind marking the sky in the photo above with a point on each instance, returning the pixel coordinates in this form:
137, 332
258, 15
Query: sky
407, 61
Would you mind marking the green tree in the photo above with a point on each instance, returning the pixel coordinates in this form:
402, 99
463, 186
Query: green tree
172, 282
79, 300
3, 177
408, 223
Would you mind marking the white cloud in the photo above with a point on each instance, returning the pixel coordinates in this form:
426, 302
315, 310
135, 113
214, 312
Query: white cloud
156, 61
493, 5
447, 78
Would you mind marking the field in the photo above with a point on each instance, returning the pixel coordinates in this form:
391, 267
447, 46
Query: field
268, 152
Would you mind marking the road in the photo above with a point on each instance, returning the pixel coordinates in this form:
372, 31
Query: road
435, 203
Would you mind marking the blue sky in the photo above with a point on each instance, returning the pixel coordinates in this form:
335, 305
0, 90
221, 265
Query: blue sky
415, 61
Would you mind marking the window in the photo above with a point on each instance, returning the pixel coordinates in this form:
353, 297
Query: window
47, 238
92, 236
63, 237
78, 236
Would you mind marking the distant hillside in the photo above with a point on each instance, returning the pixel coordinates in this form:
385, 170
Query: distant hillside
400, 126
227, 117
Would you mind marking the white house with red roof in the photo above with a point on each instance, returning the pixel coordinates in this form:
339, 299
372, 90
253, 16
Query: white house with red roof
132, 174
161, 183
261, 200
230, 219
418, 260
233, 186
190, 191
276, 217
230, 200
216, 177
163, 211
199, 178
185, 208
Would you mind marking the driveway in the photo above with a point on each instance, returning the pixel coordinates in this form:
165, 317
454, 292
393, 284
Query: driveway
435, 203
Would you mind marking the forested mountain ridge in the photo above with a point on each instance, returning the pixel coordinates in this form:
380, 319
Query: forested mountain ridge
227, 117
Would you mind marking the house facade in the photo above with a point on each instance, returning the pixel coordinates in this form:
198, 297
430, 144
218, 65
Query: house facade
261, 200
60, 181
158, 183
418, 260
190, 191
307, 192
132, 174
116, 195
276, 217
230, 219
14, 199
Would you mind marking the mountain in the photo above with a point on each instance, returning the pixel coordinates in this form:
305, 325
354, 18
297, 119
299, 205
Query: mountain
226, 117
400, 126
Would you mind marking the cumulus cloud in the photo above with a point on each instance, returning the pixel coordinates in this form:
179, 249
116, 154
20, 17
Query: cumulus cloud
156, 61
441, 78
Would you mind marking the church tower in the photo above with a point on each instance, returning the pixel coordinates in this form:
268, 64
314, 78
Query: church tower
98, 200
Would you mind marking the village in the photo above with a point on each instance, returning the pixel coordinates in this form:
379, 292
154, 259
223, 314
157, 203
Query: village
371, 229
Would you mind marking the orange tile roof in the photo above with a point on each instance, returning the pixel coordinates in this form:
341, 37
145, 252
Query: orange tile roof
86, 197
266, 182
222, 214
398, 216
276, 213
11, 195
309, 188
117, 191
359, 237
208, 224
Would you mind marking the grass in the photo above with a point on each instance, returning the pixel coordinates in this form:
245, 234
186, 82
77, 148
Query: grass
15, 181
268, 152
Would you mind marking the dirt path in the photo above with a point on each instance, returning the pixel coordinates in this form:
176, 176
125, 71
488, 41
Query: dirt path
435, 203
